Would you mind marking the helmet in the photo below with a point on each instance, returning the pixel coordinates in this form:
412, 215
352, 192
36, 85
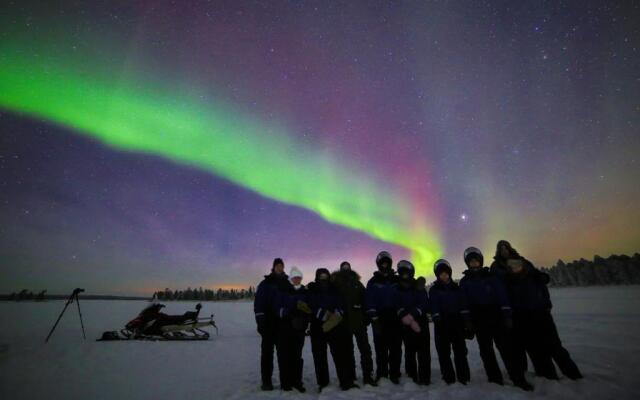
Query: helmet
382, 256
404, 265
473, 252
440, 266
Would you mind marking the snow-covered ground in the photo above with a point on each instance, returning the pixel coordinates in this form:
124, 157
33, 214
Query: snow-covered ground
599, 326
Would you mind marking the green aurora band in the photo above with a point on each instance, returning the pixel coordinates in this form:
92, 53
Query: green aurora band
126, 114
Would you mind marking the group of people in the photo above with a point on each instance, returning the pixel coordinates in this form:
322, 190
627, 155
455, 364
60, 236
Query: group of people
506, 305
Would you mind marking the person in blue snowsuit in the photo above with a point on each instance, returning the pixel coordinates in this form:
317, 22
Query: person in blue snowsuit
265, 307
329, 330
535, 332
452, 324
411, 305
293, 316
387, 338
491, 316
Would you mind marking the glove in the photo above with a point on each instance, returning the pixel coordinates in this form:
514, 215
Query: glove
507, 323
376, 327
261, 327
304, 307
410, 322
331, 322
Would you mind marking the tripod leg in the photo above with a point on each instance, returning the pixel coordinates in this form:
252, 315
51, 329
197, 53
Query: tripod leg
58, 320
80, 313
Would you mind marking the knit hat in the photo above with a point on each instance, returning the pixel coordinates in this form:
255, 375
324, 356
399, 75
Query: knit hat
277, 261
295, 273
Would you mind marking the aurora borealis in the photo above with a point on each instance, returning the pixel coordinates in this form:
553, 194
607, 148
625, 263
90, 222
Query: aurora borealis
171, 145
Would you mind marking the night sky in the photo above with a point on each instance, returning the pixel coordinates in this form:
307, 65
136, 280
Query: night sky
158, 144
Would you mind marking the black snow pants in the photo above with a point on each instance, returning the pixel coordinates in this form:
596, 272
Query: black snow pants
387, 340
449, 335
490, 329
366, 359
290, 343
295, 357
536, 334
337, 340
269, 334
285, 351
417, 353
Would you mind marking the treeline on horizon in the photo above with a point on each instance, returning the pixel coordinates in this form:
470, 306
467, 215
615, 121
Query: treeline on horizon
205, 294
27, 295
613, 270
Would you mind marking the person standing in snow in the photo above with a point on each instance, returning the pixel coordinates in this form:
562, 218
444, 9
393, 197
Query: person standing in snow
411, 305
352, 291
293, 314
385, 323
329, 329
505, 255
452, 324
491, 315
534, 329
266, 313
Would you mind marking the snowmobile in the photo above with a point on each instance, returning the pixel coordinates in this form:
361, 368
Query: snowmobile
151, 324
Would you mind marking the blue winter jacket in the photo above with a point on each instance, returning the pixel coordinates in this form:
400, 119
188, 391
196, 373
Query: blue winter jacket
379, 295
286, 299
265, 304
287, 306
408, 299
447, 300
323, 299
483, 290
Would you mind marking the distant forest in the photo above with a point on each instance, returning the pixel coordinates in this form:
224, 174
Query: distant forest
206, 294
613, 270
164, 295
27, 295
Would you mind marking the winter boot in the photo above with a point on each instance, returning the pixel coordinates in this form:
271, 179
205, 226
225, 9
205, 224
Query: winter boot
368, 380
349, 386
524, 385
